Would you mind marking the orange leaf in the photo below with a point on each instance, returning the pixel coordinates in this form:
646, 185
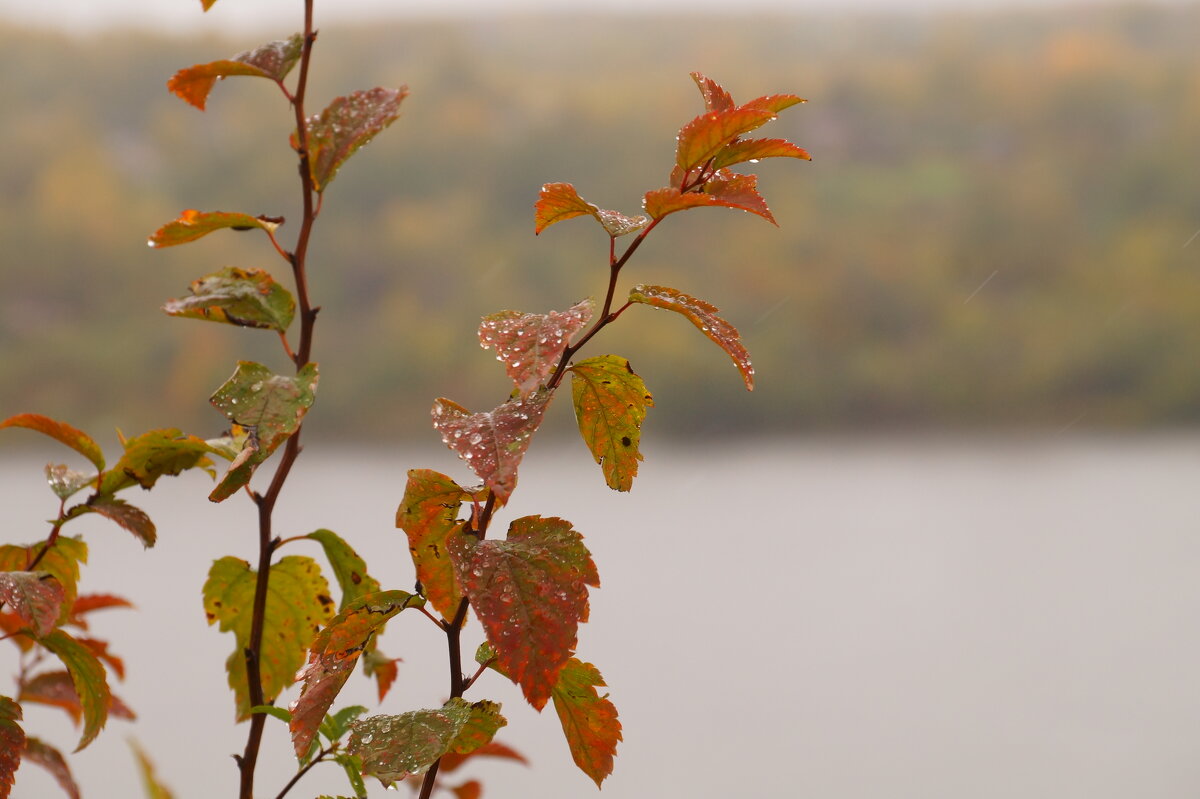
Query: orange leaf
703, 316
588, 720
61, 431
753, 150
428, 514
559, 201
49, 758
704, 136
451, 761
715, 97
12, 743
344, 126
727, 190
193, 224
273, 60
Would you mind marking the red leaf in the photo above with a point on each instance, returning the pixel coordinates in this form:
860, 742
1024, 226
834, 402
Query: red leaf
451, 761
36, 597
57, 688
753, 150
715, 97
383, 669
131, 518
703, 316
51, 759
345, 125
468, 790
193, 224
12, 743
100, 649
559, 201
428, 514
531, 344
61, 431
530, 593
727, 189
774, 102
273, 60
588, 720
11, 626
492, 442
705, 136
87, 603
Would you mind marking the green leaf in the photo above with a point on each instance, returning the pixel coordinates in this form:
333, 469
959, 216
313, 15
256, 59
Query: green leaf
270, 407
492, 442
243, 297
337, 724
394, 747
131, 518
274, 712
480, 728
154, 454
610, 405
346, 125
87, 675
62, 560
150, 782
36, 597
273, 60
193, 224
531, 344
12, 743
298, 604
530, 593
703, 316
65, 482
559, 201
349, 569
52, 760
588, 720
428, 514
353, 766
60, 431
332, 656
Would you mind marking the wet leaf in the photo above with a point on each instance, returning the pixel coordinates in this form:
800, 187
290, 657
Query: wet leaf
66, 482
393, 747
193, 224
346, 125
243, 297
479, 729
52, 760
332, 656
756, 149
530, 593
150, 783
703, 316
62, 560
353, 767
559, 201
715, 97
492, 442
87, 676
36, 597
60, 431
726, 190
428, 514
610, 405
774, 102
273, 61
588, 720
451, 761
707, 134
154, 454
270, 407
12, 743
298, 605
531, 344
382, 668
349, 569
131, 518
88, 603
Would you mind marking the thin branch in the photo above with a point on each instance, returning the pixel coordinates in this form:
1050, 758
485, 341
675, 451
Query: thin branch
307, 767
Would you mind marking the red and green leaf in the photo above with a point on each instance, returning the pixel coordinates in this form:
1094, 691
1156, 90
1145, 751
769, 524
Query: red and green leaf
492, 442
61, 560
88, 679
12, 743
610, 405
36, 597
346, 125
393, 747
480, 728
298, 605
57, 688
333, 654
62, 432
193, 224
52, 760
349, 569
588, 719
529, 344
243, 297
428, 515
530, 592
703, 316
133, 519
273, 61
559, 201
154, 454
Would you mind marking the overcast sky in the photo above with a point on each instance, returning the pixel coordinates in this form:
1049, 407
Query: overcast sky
185, 15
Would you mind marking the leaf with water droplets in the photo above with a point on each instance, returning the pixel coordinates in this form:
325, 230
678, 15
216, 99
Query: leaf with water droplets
43, 754
394, 747
273, 61
332, 656
346, 125
36, 597
132, 518
530, 593
349, 569
703, 316
61, 560
12, 743
610, 405
243, 297
87, 676
193, 224
270, 407
715, 97
531, 344
428, 514
154, 454
707, 134
756, 149
588, 720
298, 605
77, 440
479, 729
559, 201
726, 189
492, 442
65, 482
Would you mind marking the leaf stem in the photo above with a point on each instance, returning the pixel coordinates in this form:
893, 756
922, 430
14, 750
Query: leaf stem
56, 526
307, 767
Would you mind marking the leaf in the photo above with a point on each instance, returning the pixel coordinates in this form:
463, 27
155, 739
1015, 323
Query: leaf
451, 761
727, 190
393, 747
588, 720
531, 344
100, 649
382, 668
703, 316
87, 676
88, 603
150, 782
352, 765
193, 224
12, 743
479, 729
154, 454
349, 569
49, 758
774, 102
65, 482
530, 593
62, 560
610, 405
332, 656
336, 725
346, 125
492, 442
705, 136
60, 431
57, 688
132, 519
753, 150
559, 201
273, 60
37, 597
270, 407
715, 97
298, 604
428, 514
243, 297
274, 712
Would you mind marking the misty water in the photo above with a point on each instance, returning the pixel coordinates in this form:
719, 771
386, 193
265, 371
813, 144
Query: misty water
850, 619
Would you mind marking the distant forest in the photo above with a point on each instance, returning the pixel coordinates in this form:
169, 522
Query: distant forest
998, 229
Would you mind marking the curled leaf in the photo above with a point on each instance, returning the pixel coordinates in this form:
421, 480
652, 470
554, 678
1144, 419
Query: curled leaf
193, 224
154, 454
243, 297
702, 315
76, 439
133, 519
531, 344
559, 201
273, 61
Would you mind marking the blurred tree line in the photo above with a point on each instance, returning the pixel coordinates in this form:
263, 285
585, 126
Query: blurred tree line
997, 228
